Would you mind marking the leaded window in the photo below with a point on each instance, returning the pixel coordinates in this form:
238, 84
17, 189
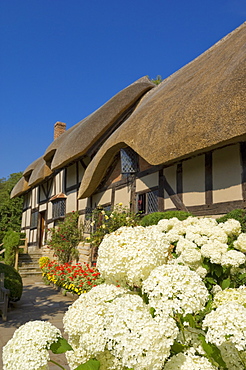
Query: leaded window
129, 161
59, 208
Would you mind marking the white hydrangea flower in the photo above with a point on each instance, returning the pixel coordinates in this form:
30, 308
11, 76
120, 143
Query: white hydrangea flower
184, 244
166, 225
214, 250
171, 288
231, 227
135, 337
28, 348
201, 271
216, 289
240, 243
84, 322
188, 360
233, 258
109, 362
128, 255
227, 323
228, 295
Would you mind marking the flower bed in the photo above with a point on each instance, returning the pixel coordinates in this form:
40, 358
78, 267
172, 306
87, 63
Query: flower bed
78, 278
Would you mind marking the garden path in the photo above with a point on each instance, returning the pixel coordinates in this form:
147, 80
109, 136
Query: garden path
38, 302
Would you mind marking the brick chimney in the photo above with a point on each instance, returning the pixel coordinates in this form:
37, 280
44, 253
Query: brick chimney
59, 128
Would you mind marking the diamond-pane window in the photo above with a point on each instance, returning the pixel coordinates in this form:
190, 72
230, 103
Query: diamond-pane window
129, 161
152, 201
59, 208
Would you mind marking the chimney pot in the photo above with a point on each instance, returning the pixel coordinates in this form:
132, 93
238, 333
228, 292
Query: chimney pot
59, 128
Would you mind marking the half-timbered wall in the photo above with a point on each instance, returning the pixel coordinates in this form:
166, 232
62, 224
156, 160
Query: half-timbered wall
208, 184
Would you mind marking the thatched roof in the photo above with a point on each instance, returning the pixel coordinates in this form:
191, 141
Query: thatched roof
86, 134
80, 138
200, 107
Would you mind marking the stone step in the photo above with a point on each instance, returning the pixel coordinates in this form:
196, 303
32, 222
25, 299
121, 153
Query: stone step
30, 273
28, 264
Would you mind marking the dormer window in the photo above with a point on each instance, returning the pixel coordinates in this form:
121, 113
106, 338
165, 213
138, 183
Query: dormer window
129, 161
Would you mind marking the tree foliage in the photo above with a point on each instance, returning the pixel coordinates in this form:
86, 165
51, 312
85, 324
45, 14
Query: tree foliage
10, 209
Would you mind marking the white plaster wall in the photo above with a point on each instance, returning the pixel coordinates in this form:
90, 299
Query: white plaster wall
102, 198
71, 202
23, 219
42, 207
194, 181
28, 217
49, 215
34, 197
71, 176
82, 203
59, 182
147, 182
227, 174
123, 196
170, 174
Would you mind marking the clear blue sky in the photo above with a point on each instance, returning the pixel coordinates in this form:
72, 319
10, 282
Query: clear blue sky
60, 60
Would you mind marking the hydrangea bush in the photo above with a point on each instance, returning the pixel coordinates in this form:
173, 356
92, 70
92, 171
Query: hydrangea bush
174, 298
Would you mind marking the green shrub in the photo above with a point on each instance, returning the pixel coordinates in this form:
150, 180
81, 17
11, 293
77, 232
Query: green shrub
11, 243
12, 281
154, 218
237, 214
64, 238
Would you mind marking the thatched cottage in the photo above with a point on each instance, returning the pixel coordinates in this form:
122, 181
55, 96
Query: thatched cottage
179, 145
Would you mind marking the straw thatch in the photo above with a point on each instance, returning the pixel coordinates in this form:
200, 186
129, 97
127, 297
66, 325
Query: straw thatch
200, 107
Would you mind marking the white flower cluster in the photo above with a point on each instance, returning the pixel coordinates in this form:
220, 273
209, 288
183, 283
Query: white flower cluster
199, 238
110, 324
135, 336
28, 348
240, 243
188, 360
128, 255
237, 295
171, 288
85, 323
227, 323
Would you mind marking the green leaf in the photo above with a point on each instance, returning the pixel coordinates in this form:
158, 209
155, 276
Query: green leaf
242, 276
226, 283
60, 346
177, 347
152, 311
213, 352
210, 280
190, 320
218, 270
89, 365
206, 264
